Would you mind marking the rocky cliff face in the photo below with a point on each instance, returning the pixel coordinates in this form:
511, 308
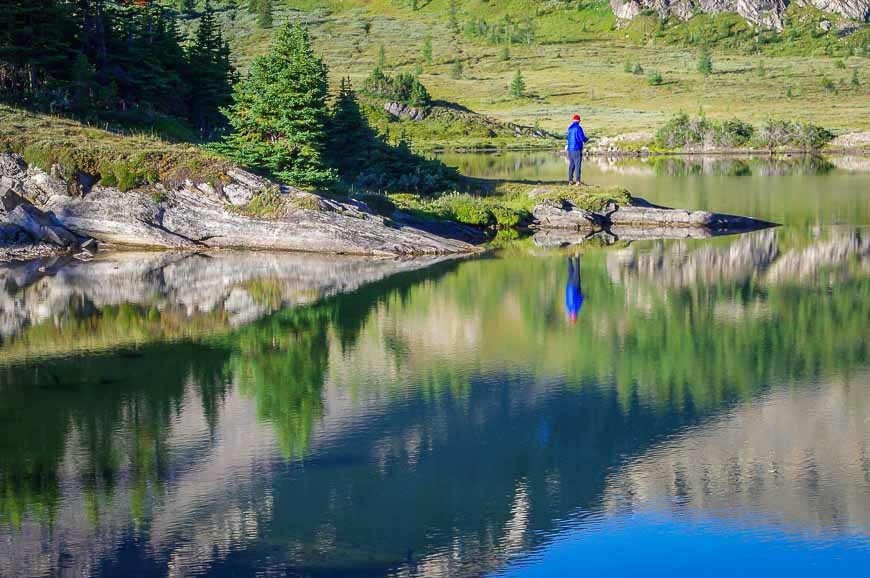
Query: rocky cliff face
765, 13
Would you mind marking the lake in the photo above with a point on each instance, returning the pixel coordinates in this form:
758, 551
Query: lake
703, 408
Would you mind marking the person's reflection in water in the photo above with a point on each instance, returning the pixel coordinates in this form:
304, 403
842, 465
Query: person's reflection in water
573, 292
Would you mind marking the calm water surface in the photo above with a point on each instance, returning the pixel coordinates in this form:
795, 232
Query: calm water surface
175, 414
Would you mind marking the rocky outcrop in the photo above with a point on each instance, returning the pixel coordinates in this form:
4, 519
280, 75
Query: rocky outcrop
211, 215
638, 217
404, 111
25, 230
764, 13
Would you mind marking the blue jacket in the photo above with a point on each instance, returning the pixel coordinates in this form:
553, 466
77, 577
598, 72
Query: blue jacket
576, 137
573, 299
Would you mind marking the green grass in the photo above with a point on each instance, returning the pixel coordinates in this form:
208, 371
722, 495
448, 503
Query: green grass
576, 65
122, 159
505, 205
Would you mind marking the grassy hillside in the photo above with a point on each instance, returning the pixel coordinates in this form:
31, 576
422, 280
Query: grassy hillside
122, 158
577, 61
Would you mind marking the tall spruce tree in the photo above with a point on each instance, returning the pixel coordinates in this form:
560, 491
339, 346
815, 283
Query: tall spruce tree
280, 110
118, 59
518, 86
350, 136
705, 61
209, 59
427, 49
37, 44
187, 6
265, 16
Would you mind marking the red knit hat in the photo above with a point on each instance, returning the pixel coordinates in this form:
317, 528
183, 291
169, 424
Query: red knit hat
576, 117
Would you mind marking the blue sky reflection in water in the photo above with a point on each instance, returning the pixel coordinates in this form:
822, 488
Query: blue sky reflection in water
709, 412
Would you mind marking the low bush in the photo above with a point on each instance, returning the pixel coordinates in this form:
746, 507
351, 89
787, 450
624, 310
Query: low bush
269, 204
786, 134
404, 87
682, 131
509, 218
466, 209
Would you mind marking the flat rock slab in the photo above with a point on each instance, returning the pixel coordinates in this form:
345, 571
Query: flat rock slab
186, 220
567, 216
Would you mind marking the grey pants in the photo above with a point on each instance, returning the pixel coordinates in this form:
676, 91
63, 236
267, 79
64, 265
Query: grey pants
575, 159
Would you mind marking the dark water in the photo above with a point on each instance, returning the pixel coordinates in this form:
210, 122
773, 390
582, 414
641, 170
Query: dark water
173, 414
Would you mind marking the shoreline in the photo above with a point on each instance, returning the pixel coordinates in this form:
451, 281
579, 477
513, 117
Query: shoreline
45, 213
837, 152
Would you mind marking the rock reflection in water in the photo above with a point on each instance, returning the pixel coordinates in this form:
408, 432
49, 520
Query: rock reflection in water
217, 288
797, 459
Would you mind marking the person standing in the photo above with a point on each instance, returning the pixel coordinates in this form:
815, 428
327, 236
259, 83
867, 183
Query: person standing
576, 138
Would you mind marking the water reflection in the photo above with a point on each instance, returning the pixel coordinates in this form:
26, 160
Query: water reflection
543, 165
790, 190
573, 290
185, 414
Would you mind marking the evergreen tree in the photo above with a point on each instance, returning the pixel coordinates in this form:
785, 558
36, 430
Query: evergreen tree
37, 40
349, 134
505, 53
187, 7
155, 70
705, 61
518, 86
382, 56
209, 60
83, 84
855, 82
119, 59
279, 111
264, 14
456, 70
427, 49
453, 16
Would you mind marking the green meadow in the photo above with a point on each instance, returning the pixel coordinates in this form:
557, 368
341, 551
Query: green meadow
576, 60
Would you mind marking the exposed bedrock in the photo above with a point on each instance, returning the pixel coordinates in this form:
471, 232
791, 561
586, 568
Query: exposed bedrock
764, 13
200, 215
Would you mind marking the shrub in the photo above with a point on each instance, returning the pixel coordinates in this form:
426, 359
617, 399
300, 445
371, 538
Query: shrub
783, 133
467, 209
268, 204
654, 78
405, 88
828, 84
735, 133
682, 131
507, 218
123, 176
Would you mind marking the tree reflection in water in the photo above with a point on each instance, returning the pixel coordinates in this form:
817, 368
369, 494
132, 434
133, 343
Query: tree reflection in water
379, 401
